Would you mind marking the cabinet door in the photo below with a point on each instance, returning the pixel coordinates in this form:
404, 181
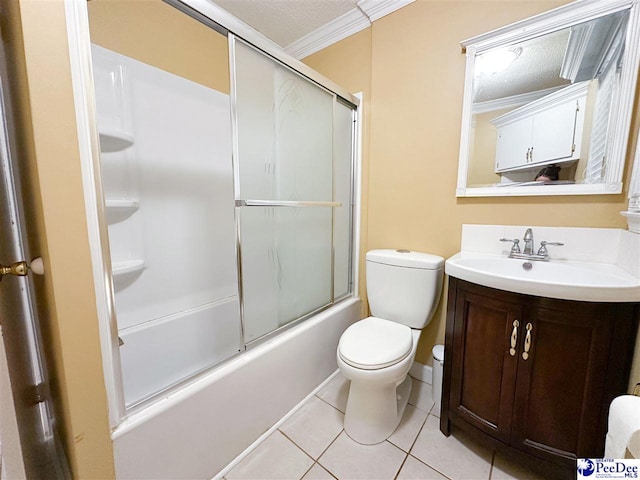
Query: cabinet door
559, 388
483, 370
513, 144
553, 131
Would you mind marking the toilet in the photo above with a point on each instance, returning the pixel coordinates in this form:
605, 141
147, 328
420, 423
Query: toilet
376, 353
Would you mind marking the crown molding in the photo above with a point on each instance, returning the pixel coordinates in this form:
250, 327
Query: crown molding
375, 9
573, 13
513, 101
566, 94
344, 26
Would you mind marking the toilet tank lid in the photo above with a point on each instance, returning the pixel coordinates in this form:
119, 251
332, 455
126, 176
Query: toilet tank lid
405, 258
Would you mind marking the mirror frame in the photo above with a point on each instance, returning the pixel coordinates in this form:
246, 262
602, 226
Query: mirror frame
548, 22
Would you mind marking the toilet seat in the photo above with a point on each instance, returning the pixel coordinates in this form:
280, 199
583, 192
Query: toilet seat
375, 343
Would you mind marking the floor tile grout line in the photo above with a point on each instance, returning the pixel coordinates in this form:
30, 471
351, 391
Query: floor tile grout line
432, 468
428, 412
315, 461
395, 477
320, 466
327, 470
325, 451
292, 441
333, 406
493, 459
308, 470
417, 435
419, 432
414, 442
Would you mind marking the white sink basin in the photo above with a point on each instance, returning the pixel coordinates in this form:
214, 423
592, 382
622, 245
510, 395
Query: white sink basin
593, 282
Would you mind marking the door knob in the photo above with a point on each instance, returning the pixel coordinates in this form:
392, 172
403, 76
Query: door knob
22, 268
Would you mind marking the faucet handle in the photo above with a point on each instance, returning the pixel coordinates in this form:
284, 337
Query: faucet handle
543, 247
516, 244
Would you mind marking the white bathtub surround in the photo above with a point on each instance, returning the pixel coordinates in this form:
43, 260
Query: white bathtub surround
178, 308
595, 245
196, 431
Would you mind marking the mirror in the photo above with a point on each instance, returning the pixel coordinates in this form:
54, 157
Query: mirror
548, 103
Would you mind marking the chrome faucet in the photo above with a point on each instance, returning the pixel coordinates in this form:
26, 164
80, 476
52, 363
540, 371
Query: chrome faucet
528, 252
528, 242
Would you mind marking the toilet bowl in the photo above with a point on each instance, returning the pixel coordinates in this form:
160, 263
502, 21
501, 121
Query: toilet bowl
379, 392
377, 353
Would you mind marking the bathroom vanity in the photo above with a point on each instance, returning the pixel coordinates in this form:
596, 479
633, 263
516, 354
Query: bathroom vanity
539, 343
534, 376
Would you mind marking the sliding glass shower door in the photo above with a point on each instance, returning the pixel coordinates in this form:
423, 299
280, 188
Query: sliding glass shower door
291, 208
227, 182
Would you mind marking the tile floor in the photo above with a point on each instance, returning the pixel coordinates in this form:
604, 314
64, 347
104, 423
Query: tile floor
312, 445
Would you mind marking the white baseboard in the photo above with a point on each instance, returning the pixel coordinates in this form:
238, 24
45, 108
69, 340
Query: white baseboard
421, 372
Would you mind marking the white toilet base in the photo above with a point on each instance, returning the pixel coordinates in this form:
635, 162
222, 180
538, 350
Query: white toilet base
377, 398
373, 414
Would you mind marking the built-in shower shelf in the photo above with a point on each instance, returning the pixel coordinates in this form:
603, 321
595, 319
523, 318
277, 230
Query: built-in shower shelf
120, 269
120, 209
114, 140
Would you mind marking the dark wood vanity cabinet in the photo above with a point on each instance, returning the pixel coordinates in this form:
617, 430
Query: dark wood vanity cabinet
535, 375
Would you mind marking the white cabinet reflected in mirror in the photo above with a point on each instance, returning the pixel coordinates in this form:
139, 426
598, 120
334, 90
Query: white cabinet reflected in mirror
548, 102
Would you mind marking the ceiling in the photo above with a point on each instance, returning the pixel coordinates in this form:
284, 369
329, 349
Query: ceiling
302, 27
285, 21
536, 68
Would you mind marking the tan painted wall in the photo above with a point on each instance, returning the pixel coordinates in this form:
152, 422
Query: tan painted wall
36, 37
157, 34
416, 81
482, 154
411, 72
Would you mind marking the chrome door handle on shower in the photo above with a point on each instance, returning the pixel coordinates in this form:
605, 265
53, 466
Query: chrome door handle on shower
285, 203
514, 338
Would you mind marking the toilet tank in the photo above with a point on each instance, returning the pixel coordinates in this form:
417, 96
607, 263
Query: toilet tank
404, 286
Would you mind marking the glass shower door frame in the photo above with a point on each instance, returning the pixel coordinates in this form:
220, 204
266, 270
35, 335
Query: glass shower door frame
242, 203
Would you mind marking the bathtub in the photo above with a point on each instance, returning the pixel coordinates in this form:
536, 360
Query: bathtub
196, 431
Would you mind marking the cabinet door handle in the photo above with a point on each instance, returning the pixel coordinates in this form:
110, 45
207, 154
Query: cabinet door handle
527, 155
514, 338
527, 342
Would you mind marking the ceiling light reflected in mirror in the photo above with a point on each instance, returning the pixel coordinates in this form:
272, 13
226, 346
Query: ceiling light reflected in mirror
497, 61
